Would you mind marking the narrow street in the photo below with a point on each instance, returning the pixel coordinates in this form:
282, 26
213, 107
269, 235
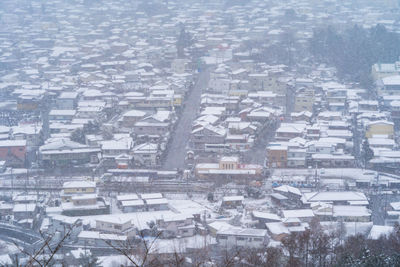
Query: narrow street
257, 154
176, 150
379, 204
357, 141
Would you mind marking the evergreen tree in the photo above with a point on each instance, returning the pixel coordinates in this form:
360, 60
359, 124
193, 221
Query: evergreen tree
78, 136
367, 153
355, 50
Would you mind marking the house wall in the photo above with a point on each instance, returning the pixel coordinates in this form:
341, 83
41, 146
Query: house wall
25, 215
304, 103
113, 227
66, 103
379, 129
240, 241
86, 190
277, 158
150, 129
228, 165
68, 158
133, 209
80, 202
149, 159
9, 152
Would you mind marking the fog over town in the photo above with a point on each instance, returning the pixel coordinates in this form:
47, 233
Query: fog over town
206, 133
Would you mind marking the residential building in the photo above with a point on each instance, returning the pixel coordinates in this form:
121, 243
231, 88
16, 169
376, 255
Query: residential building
67, 153
62, 114
25, 214
305, 215
333, 197
247, 238
231, 202
157, 204
290, 192
381, 70
280, 230
333, 160
389, 85
115, 225
131, 117
146, 154
304, 101
277, 156
177, 225
126, 197
63, 224
94, 238
133, 205
77, 188
207, 134
13, 152
84, 205
265, 217
301, 116
67, 101
379, 128
287, 131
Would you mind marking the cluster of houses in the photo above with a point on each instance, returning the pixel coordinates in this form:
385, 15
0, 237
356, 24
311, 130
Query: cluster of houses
99, 91
111, 96
132, 216
272, 226
238, 103
24, 210
330, 137
146, 202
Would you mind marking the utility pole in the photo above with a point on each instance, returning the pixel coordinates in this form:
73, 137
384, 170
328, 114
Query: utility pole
12, 182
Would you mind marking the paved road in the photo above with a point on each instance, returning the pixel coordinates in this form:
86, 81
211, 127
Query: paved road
175, 157
25, 238
257, 154
357, 139
380, 203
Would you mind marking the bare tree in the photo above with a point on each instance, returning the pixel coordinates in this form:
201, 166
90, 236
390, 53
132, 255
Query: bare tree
291, 245
45, 254
274, 257
137, 253
229, 258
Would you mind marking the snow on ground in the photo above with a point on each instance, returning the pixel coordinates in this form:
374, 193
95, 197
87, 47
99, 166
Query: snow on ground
5, 260
7, 248
113, 261
352, 228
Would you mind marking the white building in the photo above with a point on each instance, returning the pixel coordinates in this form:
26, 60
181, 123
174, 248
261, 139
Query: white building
238, 237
